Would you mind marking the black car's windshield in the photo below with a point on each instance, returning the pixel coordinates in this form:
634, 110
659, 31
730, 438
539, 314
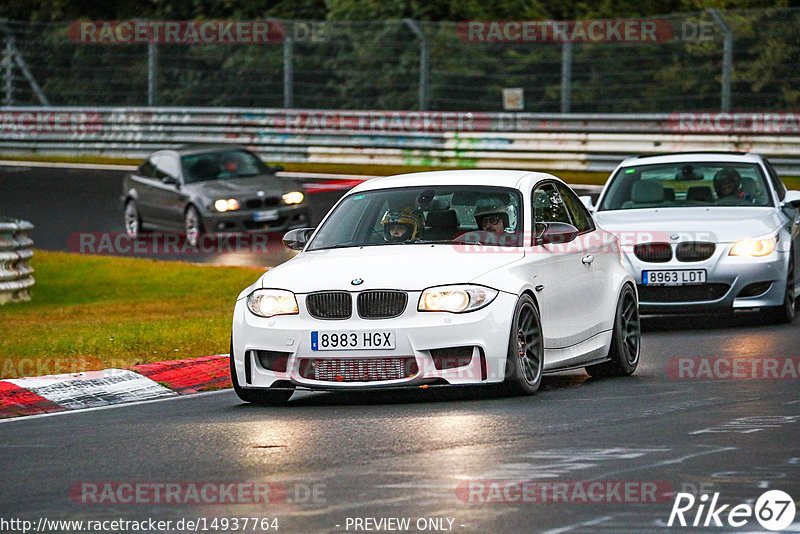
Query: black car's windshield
414, 215
221, 166
687, 184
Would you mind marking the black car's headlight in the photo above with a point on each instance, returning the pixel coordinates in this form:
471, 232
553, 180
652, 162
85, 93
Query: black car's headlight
271, 302
456, 298
293, 197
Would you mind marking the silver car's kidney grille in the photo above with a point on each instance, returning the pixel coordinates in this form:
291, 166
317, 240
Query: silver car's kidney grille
694, 251
358, 370
653, 252
330, 305
381, 304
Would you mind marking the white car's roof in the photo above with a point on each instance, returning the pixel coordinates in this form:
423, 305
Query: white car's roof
692, 158
501, 178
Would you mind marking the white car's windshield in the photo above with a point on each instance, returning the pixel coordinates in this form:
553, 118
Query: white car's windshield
431, 214
687, 184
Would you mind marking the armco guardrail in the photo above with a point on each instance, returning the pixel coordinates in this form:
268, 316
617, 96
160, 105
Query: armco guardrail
443, 139
15, 250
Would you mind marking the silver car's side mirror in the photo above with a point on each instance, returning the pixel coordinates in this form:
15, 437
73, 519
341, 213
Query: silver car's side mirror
296, 239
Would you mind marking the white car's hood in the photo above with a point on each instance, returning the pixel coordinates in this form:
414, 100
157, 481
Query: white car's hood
713, 224
408, 267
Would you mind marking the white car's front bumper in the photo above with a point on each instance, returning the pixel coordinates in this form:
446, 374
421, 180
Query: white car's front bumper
726, 279
486, 331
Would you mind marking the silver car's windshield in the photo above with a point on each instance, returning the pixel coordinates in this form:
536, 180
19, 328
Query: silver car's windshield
679, 185
431, 214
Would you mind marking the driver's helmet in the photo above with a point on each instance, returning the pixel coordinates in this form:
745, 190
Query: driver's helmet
727, 178
404, 219
230, 162
504, 212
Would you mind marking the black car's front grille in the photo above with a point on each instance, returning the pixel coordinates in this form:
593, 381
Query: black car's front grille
267, 202
330, 305
695, 293
653, 252
358, 370
694, 251
381, 304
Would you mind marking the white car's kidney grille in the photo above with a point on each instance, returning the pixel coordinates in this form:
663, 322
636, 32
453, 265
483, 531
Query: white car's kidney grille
694, 251
381, 304
358, 370
653, 252
330, 305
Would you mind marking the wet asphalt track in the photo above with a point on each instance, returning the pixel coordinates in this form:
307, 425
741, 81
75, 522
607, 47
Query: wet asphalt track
405, 454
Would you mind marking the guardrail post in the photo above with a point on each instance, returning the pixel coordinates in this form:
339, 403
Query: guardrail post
15, 250
288, 67
566, 76
424, 63
727, 59
152, 75
8, 72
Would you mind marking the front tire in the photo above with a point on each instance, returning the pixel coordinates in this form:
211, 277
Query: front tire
194, 226
785, 313
626, 340
132, 220
263, 397
525, 357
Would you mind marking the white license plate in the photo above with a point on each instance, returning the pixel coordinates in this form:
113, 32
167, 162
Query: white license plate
674, 278
268, 215
339, 340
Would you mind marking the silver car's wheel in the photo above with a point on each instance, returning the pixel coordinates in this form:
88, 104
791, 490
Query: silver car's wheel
193, 225
786, 312
525, 357
625, 341
133, 222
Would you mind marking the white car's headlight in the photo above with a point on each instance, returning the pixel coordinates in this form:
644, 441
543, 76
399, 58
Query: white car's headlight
226, 204
754, 247
456, 298
270, 302
294, 197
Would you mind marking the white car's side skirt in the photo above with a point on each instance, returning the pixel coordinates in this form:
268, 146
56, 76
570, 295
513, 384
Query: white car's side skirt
592, 349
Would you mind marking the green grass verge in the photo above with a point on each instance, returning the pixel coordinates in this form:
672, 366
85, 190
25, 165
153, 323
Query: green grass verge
96, 312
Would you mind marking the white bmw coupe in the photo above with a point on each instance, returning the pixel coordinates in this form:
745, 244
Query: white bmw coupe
439, 278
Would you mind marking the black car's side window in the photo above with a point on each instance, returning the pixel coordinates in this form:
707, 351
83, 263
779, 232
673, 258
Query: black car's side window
580, 215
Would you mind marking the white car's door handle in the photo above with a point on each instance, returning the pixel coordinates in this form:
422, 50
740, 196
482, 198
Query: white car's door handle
587, 259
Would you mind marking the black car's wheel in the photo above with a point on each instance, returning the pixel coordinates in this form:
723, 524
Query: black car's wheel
625, 340
132, 220
785, 313
525, 358
194, 226
264, 397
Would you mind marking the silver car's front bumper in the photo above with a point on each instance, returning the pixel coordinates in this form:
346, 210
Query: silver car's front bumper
726, 277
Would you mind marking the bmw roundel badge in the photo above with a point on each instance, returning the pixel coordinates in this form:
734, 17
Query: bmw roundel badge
357, 281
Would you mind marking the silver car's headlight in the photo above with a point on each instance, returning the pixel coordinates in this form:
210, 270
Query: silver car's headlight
754, 247
271, 302
226, 204
456, 298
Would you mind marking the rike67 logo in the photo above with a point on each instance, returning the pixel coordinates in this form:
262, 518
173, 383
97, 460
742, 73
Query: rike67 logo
774, 510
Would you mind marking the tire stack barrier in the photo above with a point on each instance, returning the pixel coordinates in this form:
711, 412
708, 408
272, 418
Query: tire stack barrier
16, 248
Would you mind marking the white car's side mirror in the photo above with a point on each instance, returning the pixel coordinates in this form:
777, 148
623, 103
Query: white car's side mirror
792, 199
587, 201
